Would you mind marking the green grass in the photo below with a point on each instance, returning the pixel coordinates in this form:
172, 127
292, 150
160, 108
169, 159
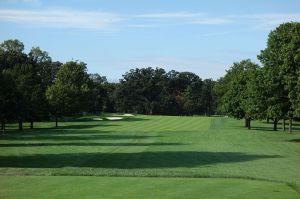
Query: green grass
188, 148
139, 187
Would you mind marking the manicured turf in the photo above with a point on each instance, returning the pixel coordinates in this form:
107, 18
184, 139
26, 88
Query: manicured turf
157, 146
139, 187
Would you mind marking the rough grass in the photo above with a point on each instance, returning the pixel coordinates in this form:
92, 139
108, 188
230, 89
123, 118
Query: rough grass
156, 146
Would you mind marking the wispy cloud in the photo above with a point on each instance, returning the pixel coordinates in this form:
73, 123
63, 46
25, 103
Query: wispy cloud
183, 18
61, 18
30, 1
268, 20
109, 21
170, 15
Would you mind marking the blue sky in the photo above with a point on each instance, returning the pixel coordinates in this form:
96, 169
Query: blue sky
113, 36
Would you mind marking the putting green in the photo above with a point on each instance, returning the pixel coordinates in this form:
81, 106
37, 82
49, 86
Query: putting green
139, 187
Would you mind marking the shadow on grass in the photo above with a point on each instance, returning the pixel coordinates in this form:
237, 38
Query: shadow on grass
295, 140
87, 144
61, 137
166, 159
61, 129
279, 129
67, 125
265, 128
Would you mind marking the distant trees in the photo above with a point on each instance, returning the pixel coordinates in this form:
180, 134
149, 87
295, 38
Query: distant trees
154, 91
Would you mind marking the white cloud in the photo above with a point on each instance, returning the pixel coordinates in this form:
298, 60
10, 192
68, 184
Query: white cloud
108, 21
61, 18
30, 1
268, 20
170, 15
182, 18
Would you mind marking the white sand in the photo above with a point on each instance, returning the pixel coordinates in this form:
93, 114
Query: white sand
114, 118
128, 115
99, 119
124, 115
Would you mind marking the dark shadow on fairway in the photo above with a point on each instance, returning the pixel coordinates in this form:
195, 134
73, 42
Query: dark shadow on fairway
69, 128
255, 128
279, 129
294, 140
79, 126
88, 144
258, 128
133, 119
166, 159
99, 136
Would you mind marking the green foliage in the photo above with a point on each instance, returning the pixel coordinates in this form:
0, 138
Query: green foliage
153, 91
141, 91
282, 66
69, 94
242, 100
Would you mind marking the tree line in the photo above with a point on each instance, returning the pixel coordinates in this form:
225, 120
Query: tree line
33, 87
249, 91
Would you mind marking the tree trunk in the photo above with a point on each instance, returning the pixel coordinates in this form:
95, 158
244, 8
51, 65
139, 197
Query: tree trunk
246, 122
290, 125
268, 120
3, 126
249, 123
56, 122
275, 124
20, 124
283, 127
151, 111
31, 124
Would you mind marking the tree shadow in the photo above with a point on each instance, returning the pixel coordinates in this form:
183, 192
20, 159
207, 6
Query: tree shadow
82, 126
134, 119
66, 127
87, 144
295, 140
258, 128
60, 137
166, 159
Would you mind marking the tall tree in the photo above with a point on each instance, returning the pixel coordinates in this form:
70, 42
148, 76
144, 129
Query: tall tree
15, 64
98, 93
254, 96
238, 100
69, 94
281, 61
7, 98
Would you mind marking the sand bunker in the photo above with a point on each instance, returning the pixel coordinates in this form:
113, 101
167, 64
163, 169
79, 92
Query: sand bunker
124, 115
128, 115
99, 119
114, 118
